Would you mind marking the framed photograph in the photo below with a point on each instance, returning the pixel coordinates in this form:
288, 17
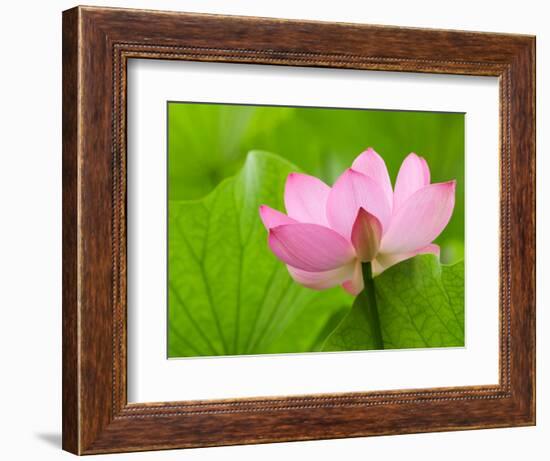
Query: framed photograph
282, 230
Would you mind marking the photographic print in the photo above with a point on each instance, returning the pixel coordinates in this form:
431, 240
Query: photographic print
305, 229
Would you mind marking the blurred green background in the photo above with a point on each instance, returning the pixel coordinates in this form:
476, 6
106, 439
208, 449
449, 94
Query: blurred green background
209, 142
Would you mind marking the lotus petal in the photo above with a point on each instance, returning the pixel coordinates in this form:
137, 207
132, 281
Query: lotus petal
384, 261
306, 198
421, 219
352, 191
322, 280
272, 218
414, 174
366, 235
310, 247
371, 164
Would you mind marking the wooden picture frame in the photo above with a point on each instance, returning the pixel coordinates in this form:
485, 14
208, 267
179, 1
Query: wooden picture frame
97, 43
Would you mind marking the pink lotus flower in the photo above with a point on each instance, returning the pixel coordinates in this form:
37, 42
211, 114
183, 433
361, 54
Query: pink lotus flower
329, 232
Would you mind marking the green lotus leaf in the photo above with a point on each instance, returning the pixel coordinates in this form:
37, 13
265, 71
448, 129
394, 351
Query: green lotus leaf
419, 302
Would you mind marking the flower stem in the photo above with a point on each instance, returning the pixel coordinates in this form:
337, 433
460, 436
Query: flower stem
371, 309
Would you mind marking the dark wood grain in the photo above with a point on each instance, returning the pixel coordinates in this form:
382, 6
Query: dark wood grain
97, 43
70, 384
